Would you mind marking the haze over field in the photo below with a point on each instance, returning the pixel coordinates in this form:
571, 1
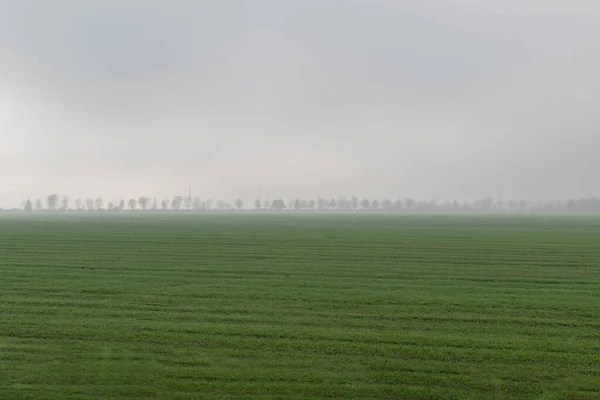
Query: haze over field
448, 99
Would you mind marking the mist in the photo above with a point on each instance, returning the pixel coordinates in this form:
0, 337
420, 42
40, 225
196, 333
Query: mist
455, 99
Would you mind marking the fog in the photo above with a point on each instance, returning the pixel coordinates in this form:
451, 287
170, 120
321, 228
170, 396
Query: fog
445, 99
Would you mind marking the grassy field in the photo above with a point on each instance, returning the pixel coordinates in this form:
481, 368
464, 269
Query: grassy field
299, 306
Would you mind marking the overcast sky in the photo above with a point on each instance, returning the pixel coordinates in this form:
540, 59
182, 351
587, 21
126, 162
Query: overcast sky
447, 99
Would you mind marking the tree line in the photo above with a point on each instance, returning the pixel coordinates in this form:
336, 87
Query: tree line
54, 202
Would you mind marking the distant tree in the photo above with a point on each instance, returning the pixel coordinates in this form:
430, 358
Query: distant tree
65, 203
89, 204
209, 203
38, 205
311, 205
239, 203
354, 202
143, 202
409, 203
28, 205
266, 204
278, 205
257, 204
111, 206
197, 204
332, 203
52, 201
164, 205
297, 205
132, 203
99, 203
365, 204
500, 205
176, 203
387, 205
455, 205
375, 204
487, 203
322, 203
398, 205
79, 204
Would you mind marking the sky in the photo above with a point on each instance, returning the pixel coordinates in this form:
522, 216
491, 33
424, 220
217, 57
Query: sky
437, 99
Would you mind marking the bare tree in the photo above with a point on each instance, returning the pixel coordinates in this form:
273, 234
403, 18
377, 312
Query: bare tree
89, 204
239, 203
52, 201
132, 203
65, 203
197, 204
28, 205
144, 201
176, 203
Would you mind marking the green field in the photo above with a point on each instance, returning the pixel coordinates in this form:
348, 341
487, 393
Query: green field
163, 306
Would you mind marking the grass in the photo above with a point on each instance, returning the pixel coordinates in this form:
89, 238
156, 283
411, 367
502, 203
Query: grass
299, 306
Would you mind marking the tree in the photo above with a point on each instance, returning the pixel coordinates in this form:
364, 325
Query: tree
322, 203
132, 203
144, 201
99, 203
239, 203
375, 204
111, 206
89, 204
176, 203
257, 204
38, 205
398, 205
365, 203
122, 204
164, 205
409, 203
278, 205
197, 204
154, 205
79, 204
187, 203
65, 203
311, 205
28, 205
52, 201
297, 205
387, 205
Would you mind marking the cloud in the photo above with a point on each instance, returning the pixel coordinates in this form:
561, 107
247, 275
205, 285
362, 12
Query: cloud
453, 99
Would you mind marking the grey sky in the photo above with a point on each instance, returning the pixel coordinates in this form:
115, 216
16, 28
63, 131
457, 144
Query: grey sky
440, 99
